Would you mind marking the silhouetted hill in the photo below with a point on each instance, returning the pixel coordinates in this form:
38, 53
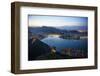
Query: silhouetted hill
37, 48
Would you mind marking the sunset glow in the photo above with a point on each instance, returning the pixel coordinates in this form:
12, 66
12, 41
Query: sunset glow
53, 21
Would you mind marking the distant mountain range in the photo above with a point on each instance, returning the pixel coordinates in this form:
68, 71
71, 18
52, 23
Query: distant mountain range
44, 30
63, 29
73, 27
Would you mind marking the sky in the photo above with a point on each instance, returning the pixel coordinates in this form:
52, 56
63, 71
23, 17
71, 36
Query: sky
56, 21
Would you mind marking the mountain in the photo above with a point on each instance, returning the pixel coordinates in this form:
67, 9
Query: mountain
37, 48
73, 27
45, 30
59, 30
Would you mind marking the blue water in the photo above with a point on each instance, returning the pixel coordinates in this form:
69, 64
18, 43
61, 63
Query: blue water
60, 43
